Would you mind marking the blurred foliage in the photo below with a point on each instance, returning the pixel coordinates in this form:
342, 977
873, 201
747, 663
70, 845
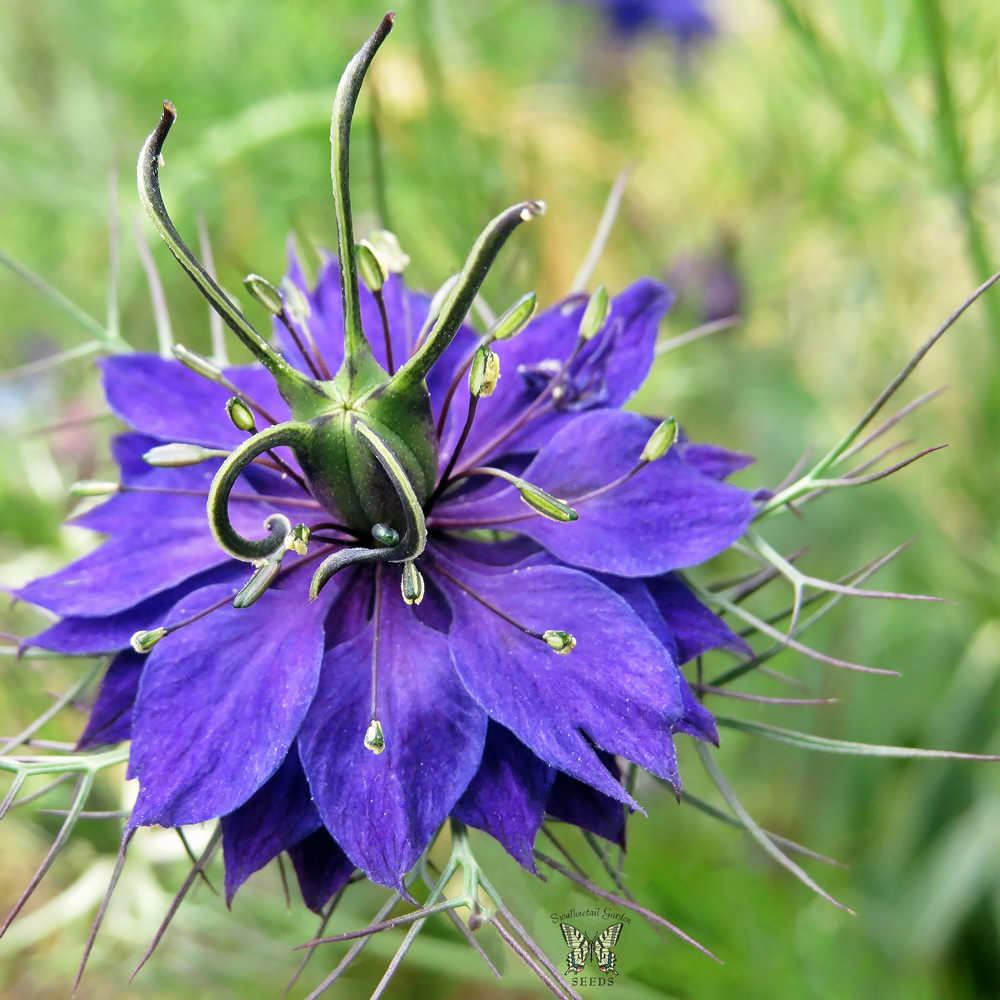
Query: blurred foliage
835, 163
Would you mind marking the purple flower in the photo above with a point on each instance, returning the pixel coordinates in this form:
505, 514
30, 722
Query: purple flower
466, 603
688, 21
259, 714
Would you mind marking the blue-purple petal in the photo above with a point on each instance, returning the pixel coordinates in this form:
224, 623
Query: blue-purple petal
507, 796
384, 809
276, 817
619, 688
221, 701
111, 717
322, 868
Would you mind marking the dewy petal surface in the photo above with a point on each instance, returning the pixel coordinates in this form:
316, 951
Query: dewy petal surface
384, 809
221, 701
619, 685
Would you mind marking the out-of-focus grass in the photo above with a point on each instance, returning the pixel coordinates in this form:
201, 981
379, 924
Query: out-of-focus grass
825, 158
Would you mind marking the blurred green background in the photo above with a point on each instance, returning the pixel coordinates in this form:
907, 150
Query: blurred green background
840, 162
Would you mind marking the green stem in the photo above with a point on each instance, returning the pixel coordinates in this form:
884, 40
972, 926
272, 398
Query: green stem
356, 345
953, 148
291, 434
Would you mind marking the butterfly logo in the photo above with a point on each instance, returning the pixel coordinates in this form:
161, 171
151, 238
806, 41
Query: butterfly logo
581, 948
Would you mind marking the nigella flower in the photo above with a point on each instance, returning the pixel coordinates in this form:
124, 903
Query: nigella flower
687, 21
465, 604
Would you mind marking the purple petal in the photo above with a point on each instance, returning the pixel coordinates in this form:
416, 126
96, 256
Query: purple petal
719, 463
111, 717
168, 401
606, 373
619, 685
383, 810
668, 516
572, 801
695, 628
322, 868
507, 796
82, 636
221, 702
276, 817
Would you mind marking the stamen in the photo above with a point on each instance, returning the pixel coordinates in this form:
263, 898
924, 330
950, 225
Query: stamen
551, 637
374, 737
660, 441
511, 323
375, 274
595, 315
241, 415
178, 455
385, 535
484, 374
200, 365
297, 311
534, 496
270, 298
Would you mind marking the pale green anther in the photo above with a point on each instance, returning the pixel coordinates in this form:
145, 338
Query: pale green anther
546, 504
515, 319
199, 364
295, 302
484, 373
660, 441
241, 415
93, 488
595, 314
298, 539
143, 641
262, 578
561, 642
177, 455
265, 293
412, 584
385, 535
388, 250
373, 272
374, 737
